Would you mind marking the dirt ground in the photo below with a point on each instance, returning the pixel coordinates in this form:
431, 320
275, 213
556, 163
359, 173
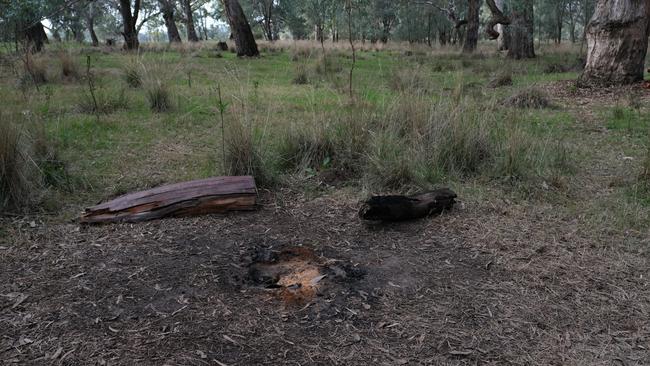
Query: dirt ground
490, 282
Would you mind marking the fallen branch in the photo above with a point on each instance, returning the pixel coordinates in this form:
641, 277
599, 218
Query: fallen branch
212, 195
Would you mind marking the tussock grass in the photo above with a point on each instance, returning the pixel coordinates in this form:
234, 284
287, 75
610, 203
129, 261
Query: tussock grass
133, 70
29, 163
412, 79
244, 150
301, 76
528, 98
69, 66
35, 69
327, 64
108, 101
15, 169
500, 80
410, 142
158, 95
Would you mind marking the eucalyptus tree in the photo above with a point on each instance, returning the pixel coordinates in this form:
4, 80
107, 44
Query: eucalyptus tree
240, 28
188, 13
23, 20
168, 10
617, 41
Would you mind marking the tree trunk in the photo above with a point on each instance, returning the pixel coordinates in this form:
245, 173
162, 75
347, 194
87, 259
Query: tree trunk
129, 20
189, 21
617, 42
244, 39
522, 41
167, 8
35, 37
91, 24
471, 34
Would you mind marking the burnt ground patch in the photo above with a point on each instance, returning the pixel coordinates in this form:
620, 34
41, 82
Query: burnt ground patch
486, 283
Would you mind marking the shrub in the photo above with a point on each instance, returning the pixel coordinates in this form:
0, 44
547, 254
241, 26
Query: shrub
158, 96
528, 98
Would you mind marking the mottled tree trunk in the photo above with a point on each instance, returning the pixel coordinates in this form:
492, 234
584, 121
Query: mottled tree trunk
129, 20
522, 41
189, 21
167, 8
617, 42
471, 34
244, 39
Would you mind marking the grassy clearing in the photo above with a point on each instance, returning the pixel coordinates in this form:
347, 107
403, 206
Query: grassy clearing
422, 118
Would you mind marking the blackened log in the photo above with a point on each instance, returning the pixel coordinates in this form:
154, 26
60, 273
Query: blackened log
400, 208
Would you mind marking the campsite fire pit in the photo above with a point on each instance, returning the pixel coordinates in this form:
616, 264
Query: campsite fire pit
297, 275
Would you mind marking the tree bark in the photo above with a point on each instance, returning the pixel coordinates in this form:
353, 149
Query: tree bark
471, 34
189, 21
91, 24
244, 39
35, 37
522, 41
129, 20
617, 42
167, 9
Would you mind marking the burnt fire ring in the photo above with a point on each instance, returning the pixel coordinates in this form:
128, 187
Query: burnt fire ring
296, 274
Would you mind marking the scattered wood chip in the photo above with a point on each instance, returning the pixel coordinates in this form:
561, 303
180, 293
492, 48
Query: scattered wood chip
461, 353
21, 298
230, 340
57, 353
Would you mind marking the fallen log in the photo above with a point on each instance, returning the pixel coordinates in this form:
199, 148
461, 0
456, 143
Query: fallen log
212, 195
400, 208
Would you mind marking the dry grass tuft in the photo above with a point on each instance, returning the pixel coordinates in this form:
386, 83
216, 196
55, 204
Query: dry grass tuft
15, 185
133, 70
35, 68
158, 96
69, 66
28, 163
413, 80
108, 101
500, 80
301, 76
528, 98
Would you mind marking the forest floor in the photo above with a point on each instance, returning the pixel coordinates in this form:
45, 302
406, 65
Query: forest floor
503, 278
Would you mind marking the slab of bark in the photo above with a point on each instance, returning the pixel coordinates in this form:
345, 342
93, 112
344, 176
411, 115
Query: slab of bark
400, 208
212, 195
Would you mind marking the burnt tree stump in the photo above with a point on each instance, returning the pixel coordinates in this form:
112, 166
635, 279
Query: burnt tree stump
400, 208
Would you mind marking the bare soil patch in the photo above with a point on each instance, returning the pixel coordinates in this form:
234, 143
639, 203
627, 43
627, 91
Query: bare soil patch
488, 283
